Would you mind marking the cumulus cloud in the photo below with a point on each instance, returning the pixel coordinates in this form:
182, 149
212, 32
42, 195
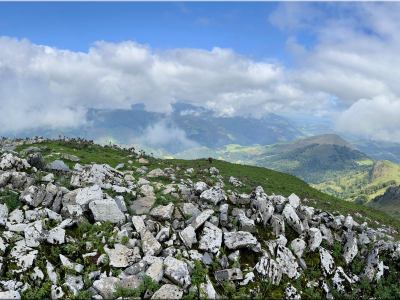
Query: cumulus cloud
355, 60
48, 86
354, 63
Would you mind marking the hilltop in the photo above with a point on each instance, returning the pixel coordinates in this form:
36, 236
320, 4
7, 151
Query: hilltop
81, 220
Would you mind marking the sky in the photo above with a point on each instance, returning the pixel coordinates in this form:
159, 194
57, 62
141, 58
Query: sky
335, 62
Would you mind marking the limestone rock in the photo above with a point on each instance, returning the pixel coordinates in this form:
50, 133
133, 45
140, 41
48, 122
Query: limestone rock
314, 239
294, 201
350, 248
292, 219
138, 223
155, 173
150, 245
56, 236
58, 165
239, 239
168, 291
106, 209
87, 195
269, 269
156, 271
213, 195
327, 262
102, 175
162, 212
143, 205
200, 187
287, 261
207, 289
229, 274
190, 209
202, 218
298, 246
211, 238
291, 293
106, 286
32, 196
35, 234
188, 236
177, 271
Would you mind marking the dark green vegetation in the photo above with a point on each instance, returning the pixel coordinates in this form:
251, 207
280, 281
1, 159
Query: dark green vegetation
10, 199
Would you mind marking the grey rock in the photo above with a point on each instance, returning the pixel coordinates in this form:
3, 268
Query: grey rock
287, 261
162, 212
121, 256
74, 283
340, 280
106, 286
70, 157
348, 223
200, 187
102, 175
150, 245
190, 209
156, 271
23, 256
350, 248
188, 236
298, 246
73, 266
56, 236
207, 259
131, 282
36, 160
155, 173
143, 205
56, 292
168, 291
32, 196
229, 274
327, 262
265, 209
240, 239
269, 269
327, 234
136, 268
106, 209
292, 219
213, 195
211, 238
119, 200
87, 195
177, 271
314, 239
278, 225
35, 234
294, 201
246, 224
10, 295
202, 218
120, 166
207, 290
291, 293
58, 165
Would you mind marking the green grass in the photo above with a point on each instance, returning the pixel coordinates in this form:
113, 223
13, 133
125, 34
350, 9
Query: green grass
251, 176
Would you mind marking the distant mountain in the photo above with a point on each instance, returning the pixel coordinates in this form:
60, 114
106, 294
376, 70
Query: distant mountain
365, 184
314, 159
380, 150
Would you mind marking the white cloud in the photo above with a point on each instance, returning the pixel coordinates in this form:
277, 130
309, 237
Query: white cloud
165, 132
47, 86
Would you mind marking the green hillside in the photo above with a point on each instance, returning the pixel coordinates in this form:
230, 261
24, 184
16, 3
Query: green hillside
251, 176
318, 163
380, 150
314, 159
367, 183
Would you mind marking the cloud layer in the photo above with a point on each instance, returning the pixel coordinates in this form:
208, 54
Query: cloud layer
349, 74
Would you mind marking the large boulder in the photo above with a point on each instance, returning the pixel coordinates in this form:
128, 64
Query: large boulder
150, 246
58, 165
177, 271
102, 175
202, 218
162, 212
188, 236
350, 248
106, 287
36, 160
213, 195
107, 209
327, 262
87, 195
239, 239
292, 219
168, 291
269, 269
211, 238
143, 205
287, 261
155, 173
33, 196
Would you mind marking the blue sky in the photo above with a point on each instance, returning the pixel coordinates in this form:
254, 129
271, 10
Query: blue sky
244, 27
334, 62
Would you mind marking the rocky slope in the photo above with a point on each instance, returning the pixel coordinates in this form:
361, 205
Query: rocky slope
149, 233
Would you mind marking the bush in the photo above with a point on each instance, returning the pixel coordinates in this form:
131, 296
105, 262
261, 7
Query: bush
10, 199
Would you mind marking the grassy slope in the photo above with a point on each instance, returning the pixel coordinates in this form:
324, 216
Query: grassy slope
251, 176
349, 187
